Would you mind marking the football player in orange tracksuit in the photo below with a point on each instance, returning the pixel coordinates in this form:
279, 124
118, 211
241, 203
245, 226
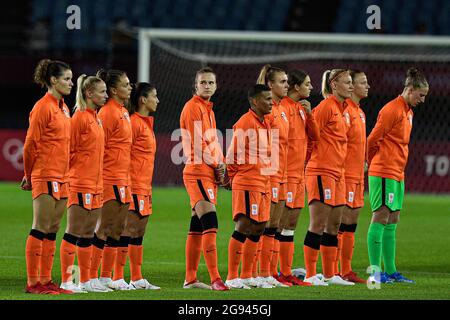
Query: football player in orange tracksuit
144, 101
116, 166
325, 180
302, 128
248, 161
387, 156
86, 184
354, 176
276, 79
204, 164
46, 166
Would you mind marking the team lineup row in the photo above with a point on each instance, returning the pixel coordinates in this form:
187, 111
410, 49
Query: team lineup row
100, 166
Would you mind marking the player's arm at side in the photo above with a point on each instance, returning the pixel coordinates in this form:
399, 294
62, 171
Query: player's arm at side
40, 116
385, 122
192, 122
109, 123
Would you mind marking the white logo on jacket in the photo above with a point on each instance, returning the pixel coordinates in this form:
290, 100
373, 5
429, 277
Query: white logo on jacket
302, 114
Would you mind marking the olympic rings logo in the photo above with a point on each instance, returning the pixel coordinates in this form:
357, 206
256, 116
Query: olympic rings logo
13, 152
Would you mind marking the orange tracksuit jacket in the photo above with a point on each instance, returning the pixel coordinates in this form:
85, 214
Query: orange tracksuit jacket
197, 118
356, 142
329, 153
47, 144
302, 128
248, 156
142, 154
278, 120
388, 142
118, 138
87, 145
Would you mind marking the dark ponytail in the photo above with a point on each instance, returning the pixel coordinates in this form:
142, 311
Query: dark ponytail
46, 69
296, 77
140, 89
110, 77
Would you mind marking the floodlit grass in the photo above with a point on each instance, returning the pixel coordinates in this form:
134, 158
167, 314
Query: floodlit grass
422, 247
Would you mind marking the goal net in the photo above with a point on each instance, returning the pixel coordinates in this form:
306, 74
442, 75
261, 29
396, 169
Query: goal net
170, 58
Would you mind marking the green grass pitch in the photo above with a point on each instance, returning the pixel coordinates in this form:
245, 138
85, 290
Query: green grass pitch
422, 252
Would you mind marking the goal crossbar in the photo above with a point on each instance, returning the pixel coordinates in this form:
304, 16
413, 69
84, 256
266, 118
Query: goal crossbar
146, 35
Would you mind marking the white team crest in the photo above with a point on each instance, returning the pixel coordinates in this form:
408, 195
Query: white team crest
141, 205
254, 209
122, 192
55, 186
66, 112
275, 193
289, 197
327, 194
302, 114
126, 116
283, 115
391, 197
363, 119
351, 195
87, 198
211, 194
347, 118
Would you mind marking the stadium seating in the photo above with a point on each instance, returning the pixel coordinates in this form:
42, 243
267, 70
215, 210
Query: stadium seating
98, 17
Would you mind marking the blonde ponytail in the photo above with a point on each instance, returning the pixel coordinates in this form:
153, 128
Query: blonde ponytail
326, 89
328, 77
84, 83
262, 78
80, 101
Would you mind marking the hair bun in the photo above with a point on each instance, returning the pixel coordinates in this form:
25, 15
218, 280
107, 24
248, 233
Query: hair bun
412, 72
102, 73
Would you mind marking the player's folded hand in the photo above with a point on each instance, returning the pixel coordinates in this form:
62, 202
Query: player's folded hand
25, 184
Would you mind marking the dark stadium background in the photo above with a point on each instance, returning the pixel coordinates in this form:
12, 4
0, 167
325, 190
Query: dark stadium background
32, 30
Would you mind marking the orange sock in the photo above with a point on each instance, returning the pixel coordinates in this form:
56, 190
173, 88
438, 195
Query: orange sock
286, 253
193, 249
328, 250
96, 255
67, 252
348, 243
275, 256
310, 256
248, 255
193, 254
84, 252
311, 252
109, 258
210, 252
48, 255
33, 253
338, 255
121, 258
328, 258
136, 253
235, 247
255, 272
266, 253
